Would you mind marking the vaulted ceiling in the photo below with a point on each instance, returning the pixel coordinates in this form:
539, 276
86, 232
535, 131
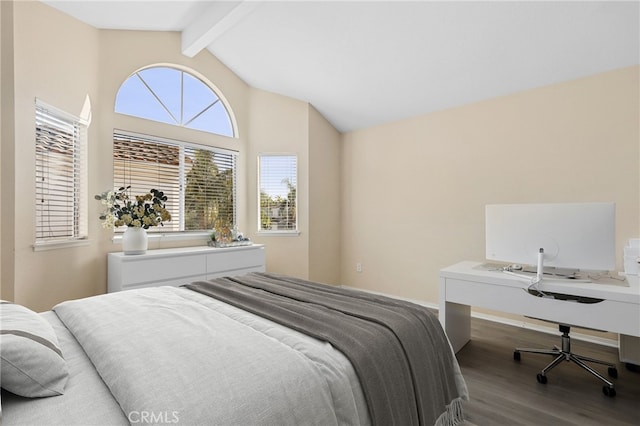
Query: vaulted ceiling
364, 63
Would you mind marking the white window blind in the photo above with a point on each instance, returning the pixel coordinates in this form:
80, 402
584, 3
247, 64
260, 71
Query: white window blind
199, 181
61, 175
278, 192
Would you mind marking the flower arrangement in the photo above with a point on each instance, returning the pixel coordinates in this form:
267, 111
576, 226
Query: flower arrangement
144, 211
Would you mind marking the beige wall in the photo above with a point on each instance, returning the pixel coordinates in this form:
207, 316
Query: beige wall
56, 61
283, 125
7, 148
324, 200
414, 191
280, 125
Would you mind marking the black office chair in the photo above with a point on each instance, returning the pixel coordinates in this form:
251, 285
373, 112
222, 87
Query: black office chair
566, 355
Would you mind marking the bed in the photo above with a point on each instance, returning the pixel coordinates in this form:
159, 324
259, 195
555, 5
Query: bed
257, 349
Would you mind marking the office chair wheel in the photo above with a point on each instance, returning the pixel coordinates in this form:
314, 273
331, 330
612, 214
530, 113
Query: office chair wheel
610, 392
542, 379
516, 355
613, 372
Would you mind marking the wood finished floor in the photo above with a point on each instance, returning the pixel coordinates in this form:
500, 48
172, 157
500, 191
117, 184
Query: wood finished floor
506, 392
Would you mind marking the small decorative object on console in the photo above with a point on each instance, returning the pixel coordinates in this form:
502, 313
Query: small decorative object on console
228, 239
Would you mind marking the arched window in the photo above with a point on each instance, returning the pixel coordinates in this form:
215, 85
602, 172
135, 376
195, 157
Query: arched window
199, 180
173, 96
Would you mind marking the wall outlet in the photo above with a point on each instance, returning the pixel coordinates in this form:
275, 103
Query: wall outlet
358, 267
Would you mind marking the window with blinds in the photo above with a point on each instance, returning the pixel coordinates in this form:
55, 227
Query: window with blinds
199, 181
61, 175
277, 176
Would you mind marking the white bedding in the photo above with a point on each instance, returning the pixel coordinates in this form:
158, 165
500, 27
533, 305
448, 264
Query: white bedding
86, 401
167, 355
207, 363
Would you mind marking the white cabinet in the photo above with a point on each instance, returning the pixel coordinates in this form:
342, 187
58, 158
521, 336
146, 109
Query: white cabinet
181, 266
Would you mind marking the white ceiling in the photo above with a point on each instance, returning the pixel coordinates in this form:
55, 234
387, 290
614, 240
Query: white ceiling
364, 63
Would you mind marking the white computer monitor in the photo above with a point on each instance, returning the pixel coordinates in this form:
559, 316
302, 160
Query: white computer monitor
573, 235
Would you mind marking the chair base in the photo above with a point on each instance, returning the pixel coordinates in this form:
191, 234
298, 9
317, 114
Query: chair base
565, 354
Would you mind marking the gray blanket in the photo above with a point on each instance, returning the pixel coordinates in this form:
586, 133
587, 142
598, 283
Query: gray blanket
398, 349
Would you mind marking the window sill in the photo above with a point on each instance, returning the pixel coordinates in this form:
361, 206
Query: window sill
278, 233
54, 245
169, 236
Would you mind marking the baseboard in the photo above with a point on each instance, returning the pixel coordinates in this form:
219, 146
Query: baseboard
507, 321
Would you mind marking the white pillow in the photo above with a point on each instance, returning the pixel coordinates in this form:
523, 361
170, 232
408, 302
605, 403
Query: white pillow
32, 362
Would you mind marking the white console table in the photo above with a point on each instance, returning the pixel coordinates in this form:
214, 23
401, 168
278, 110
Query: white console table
179, 266
469, 284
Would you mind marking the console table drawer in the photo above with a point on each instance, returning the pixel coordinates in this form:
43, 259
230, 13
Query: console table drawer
162, 269
181, 266
234, 260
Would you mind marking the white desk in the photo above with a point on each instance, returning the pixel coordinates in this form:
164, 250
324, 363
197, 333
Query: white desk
467, 284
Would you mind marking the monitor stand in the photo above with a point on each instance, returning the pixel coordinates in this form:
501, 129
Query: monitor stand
540, 268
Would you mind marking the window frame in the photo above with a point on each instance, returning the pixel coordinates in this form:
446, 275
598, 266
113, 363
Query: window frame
277, 232
181, 232
78, 229
180, 121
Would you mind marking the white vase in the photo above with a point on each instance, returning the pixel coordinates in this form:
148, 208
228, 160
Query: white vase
134, 241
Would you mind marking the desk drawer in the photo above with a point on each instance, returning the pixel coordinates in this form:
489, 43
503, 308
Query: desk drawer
614, 316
